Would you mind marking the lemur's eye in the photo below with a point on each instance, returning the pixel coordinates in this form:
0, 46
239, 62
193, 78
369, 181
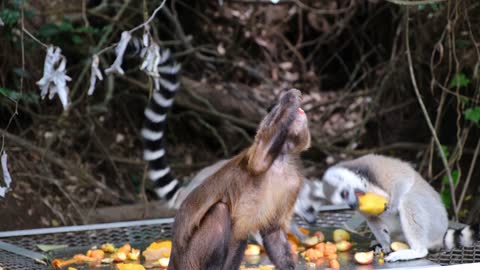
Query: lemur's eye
344, 194
310, 210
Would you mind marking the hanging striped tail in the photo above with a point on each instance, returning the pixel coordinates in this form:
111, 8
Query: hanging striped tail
464, 237
166, 86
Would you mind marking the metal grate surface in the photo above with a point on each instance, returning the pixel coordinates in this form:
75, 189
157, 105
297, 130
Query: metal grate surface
148, 233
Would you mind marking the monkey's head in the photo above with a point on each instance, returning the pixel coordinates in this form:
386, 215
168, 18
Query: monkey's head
284, 131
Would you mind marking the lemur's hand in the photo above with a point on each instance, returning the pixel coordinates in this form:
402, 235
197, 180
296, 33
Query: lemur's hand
377, 249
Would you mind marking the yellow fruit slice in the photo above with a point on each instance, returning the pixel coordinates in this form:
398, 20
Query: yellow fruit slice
130, 266
396, 246
372, 203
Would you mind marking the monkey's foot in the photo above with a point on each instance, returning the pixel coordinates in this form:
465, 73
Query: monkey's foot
406, 254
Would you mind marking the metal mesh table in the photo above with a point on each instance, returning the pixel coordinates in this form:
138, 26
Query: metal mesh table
150, 230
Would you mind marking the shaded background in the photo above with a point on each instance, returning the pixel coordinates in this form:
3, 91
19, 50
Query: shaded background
349, 58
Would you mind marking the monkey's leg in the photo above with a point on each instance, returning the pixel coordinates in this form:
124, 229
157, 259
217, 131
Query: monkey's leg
278, 249
207, 248
414, 226
236, 250
380, 229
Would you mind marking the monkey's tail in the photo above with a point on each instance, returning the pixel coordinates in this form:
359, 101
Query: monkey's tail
166, 86
464, 237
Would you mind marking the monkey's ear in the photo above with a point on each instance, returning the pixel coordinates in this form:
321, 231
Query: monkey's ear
259, 158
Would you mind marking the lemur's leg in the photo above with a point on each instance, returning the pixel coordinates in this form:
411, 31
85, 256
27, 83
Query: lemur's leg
413, 219
381, 232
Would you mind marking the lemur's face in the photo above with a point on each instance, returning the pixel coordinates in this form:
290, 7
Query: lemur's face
309, 201
341, 186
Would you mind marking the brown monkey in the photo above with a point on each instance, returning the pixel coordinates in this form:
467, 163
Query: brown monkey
254, 191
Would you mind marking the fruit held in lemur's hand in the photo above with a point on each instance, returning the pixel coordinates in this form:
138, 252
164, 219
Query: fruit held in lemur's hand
372, 203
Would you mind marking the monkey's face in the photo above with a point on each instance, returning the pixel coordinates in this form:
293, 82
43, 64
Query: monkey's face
283, 131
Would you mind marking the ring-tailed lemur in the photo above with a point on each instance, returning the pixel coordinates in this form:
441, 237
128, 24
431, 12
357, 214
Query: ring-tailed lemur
166, 186
414, 214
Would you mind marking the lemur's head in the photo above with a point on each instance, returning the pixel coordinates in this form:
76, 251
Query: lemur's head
341, 185
309, 200
283, 131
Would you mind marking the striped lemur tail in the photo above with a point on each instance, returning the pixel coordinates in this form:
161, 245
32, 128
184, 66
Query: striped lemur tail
165, 184
464, 237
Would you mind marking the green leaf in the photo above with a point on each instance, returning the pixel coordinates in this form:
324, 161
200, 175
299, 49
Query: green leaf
46, 248
473, 114
10, 16
49, 30
76, 39
445, 182
12, 94
15, 95
445, 152
459, 80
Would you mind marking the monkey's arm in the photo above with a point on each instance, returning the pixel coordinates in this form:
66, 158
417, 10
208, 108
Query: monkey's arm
192, 211
278, 249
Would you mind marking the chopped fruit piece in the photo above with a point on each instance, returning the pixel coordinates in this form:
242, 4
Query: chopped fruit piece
396, 246
109, 248
252, 249
119, 256
158, 250
161, 244
86, 259
252, 259
311, 266
372, 203
125, 249
305, 231
320, 247
130, 266
72, 268
96, 253
313, 254
163, 262
381, 261
107, 260
310, 241
343, 245
364, 257
134, 254
340, 235
293, 238
330, 248
320, 236
59, 263
266, 267
334, 264
332, 256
